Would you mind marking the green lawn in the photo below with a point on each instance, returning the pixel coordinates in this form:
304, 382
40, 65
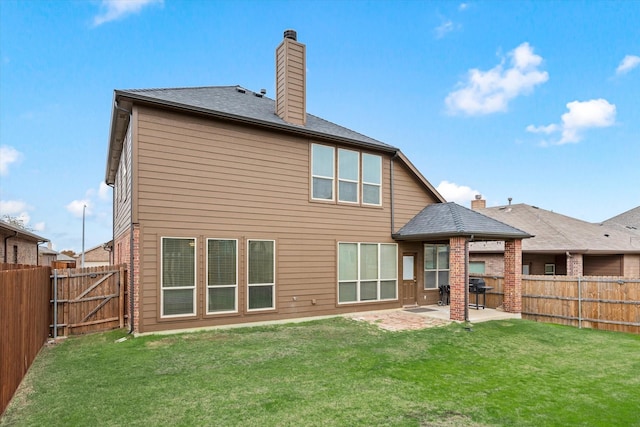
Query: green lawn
338, 372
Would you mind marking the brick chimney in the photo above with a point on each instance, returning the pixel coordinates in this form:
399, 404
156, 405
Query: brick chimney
478, 203
291, 98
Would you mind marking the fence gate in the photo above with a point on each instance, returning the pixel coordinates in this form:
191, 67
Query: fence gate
88, 299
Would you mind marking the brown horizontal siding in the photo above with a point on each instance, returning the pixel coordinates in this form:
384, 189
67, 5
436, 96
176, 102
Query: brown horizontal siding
602, 265
408, 200
205, 179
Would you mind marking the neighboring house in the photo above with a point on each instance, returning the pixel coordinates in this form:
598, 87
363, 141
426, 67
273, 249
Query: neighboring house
230, 207
46, 254
562, 245
18, 246
97, 256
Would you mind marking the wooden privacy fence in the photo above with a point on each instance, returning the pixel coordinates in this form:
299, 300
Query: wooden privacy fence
610, 303
88, 299
25, 293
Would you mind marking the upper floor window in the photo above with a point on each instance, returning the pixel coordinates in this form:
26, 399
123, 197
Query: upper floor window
371, 179
322, 171
348, 175
355, 183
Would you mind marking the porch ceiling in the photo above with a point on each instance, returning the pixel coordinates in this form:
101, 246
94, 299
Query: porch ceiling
444, 220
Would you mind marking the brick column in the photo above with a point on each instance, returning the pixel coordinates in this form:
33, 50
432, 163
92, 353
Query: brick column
457, 277
513, 276
574, 265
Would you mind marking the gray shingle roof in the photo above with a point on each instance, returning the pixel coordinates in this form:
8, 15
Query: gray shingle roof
443, 220
629, 220
20, 232
559, 233
239, 103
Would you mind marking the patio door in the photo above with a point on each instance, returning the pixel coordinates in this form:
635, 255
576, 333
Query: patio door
409, 279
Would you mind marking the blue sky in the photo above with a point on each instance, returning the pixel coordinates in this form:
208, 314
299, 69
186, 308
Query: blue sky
538, 101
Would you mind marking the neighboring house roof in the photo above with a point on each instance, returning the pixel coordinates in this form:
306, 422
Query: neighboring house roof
237, 104
63, 257
630, 220
43, 250
21, 233
445, 220
559, 233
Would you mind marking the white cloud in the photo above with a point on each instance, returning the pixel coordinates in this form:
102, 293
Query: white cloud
76, 207
13, 207
487, 92
103, 191
117, 9
39, 226
444, 28
628, 63
582, 115
452, 192
8, 155
463, 6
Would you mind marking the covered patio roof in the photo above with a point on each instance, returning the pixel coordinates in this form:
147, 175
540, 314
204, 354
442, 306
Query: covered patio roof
445, 220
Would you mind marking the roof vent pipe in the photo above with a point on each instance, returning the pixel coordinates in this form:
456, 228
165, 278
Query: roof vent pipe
291, 34
510, 199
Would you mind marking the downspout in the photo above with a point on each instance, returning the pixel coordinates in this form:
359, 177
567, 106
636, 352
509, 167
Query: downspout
395, 156
131, 226
5, 245
38, 251
466, 279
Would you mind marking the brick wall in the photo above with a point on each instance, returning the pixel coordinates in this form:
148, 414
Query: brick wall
457, 277
122, 255
513, 276
493, 263
574, 265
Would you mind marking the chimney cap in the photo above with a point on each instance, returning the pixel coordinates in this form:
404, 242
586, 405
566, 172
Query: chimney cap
291, 34
478, 196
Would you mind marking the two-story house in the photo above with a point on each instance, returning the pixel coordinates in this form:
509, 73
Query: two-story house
231, 207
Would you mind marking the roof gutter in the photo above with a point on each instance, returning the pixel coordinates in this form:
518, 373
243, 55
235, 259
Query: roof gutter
475, 236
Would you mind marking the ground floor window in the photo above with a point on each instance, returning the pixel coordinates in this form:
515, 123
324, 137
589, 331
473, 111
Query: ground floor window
436, 265
178, 276
367, 272
261, 273
222, 276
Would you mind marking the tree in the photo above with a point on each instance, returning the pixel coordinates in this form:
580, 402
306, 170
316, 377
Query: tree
16, 222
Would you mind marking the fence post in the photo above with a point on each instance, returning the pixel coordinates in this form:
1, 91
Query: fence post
121, 296
55, 303
579, 302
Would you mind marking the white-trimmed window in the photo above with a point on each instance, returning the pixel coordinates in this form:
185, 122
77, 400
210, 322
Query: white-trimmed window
322, 172
359, 175
261, 274
222, 275
371, 179
549, 269
178, 276
436, 266
348, 175
367, 272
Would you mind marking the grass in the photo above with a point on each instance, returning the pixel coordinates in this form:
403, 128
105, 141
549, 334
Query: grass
338, 372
